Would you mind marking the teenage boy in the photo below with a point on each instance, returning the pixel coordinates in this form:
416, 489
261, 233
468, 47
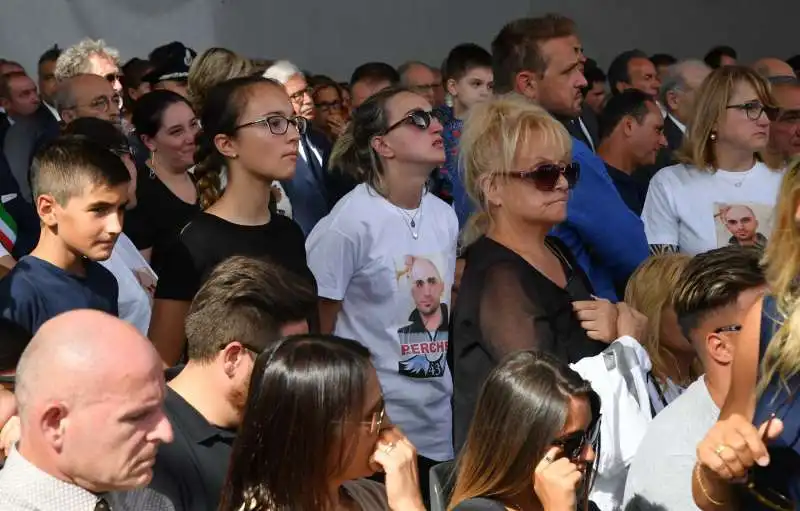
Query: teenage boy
467, 76
80, 190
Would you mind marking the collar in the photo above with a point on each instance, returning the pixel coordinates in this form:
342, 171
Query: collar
617, 174
677, 123
21, 478
52, 110
196, 427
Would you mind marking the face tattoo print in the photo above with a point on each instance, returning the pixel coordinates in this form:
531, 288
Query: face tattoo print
746, 224
423, 340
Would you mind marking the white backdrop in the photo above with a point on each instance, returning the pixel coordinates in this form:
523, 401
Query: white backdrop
334, 36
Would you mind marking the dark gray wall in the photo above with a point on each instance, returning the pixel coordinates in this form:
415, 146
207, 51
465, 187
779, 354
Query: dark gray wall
333, 36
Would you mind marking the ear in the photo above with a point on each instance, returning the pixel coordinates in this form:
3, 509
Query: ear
68, 115
148, 142
527, 84
492, 190
720, 349
672, 100
232, 356
226, 145
53, 424
627, 125
450, 86
380, 146
47, 208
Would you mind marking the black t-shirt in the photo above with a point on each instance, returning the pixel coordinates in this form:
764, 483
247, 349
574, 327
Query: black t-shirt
208, 240
36, 290
158, 217
506, 305
632, 191
191, 470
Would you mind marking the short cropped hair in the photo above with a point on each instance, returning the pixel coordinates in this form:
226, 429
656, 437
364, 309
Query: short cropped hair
618, 70
714, 56
50, 55
374, 72
247, 300
64, 167
517, 47
663, 59
629, 103
464, 58
75, 59
713, 280
593, 74
14, 340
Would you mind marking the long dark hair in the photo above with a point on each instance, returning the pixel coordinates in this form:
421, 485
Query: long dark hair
222, 109
303, 389
148, 111
522, 408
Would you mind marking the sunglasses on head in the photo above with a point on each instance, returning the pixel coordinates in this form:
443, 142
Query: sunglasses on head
574, 444
420, 119
545, 176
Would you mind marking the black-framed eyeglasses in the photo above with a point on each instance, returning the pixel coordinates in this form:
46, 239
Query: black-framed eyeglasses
728, 328
298, 96
112, 77
279, 124
420, 119
754, 110
765, 496
573, 445
545, 176
102, 103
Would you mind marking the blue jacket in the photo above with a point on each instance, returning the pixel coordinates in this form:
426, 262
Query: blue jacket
308, 189
604, 235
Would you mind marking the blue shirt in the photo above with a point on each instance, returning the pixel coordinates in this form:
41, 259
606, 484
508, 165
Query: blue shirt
603, 234
35, 291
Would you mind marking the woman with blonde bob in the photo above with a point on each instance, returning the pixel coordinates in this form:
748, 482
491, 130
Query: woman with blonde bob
759, 425
672, 356
533, 439
521, 288
688, 206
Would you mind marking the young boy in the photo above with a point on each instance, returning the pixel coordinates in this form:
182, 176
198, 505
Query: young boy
80, 190
467, 75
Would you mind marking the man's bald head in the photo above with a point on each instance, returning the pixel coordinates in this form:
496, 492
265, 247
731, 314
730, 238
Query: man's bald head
771, 68
90, 390
86, 95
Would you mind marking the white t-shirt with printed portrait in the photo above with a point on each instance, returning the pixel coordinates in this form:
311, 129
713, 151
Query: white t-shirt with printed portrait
698, 211
395, 294
136, 281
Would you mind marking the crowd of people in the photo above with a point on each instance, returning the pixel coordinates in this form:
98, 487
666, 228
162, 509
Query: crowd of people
511, 282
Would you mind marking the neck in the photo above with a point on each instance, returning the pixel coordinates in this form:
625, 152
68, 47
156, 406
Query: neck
678, 367
734, 158
198, 385
519, 236
406, 186
51, 249
166, 172
459, 110
245, 200
434, 320
718, 380
616, 156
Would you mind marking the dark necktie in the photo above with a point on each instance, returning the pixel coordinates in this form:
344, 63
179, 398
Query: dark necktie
102, 505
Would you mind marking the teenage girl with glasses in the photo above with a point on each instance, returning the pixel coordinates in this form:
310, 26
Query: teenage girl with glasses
248, 126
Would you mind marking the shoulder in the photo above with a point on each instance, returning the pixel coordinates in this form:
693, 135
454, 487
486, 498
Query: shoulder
99, 273
368, 494
141, 498
479, 504
352, 216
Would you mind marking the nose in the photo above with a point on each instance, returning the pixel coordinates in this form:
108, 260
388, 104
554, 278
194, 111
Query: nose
114, 224
436, 126
589, 454
162, 432
581, 83
662, 140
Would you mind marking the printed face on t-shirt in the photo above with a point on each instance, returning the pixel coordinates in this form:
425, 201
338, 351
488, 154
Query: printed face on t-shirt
743, 224
427, 286
90, 223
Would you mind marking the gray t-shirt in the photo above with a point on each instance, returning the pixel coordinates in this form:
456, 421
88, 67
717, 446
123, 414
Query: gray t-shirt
661, 471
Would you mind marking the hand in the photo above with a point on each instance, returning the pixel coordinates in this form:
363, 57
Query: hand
9, 435
733, 445
336, 125
599, 319
555, 482
397, 456
631, 322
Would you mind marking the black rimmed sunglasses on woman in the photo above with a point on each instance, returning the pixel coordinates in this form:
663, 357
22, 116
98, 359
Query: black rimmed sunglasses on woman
420, 119
574, 444
278, 124
545, 176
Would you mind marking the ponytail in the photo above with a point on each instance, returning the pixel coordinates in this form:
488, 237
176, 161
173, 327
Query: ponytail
354, 161
207, 172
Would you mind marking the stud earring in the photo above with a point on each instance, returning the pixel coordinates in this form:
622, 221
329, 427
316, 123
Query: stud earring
713, 136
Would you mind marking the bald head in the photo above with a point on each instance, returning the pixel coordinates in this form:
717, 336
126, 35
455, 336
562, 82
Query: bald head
86, 95
771, 67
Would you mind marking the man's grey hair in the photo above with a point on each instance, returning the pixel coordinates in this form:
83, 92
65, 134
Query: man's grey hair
406, 67
282, 71
674, 78
75, 59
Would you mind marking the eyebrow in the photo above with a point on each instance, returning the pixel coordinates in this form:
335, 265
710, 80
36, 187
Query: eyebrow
105, 204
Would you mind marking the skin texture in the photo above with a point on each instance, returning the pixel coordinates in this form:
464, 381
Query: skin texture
735, 129
681, 101
300, 96
422, 80
784, 136
23, 100
47, 80
103, 66
94, 97
643, 77
91, 411
174, 143
596, 97
360, 91
469, 90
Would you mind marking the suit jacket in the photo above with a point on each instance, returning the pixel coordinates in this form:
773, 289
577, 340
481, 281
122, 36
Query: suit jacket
589, 120
21, 142
308, 189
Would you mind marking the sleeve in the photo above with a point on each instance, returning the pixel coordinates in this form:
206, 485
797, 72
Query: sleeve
333, 260
508, 317
179, 278
599, 224
19, 302
660, 218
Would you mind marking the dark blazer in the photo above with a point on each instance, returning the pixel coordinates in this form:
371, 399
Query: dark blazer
308, 189
21, 142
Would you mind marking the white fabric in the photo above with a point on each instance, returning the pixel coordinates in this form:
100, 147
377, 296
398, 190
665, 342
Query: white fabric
364, 255
52, 110
683, 205
137, 283
586, 134
669, 390
619, 376
661, 471
3, 251
678, 123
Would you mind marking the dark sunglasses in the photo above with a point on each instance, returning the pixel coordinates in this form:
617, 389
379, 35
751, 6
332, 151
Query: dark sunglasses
420, 119
767, 497
112, 77
545, 176
279, 124
574, 445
